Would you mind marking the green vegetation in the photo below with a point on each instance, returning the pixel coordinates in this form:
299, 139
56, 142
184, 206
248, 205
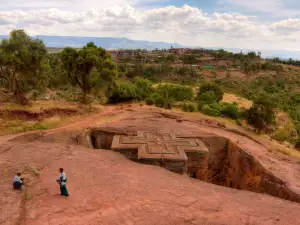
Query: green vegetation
189, 107
213, 91
193, 81
22, 64
261, 114
35, 172
89, 68
28, 196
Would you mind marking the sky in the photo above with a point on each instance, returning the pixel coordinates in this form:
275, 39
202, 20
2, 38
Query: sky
252, 24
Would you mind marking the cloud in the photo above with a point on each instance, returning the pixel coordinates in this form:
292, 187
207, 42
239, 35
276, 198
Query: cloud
187, 25
276, 8
289, 25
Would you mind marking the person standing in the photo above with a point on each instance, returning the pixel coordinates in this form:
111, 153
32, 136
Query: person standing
63, 183
18, 182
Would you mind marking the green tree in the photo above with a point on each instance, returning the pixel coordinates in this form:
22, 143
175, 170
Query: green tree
261, 114
90, 67
213, 87
175, 91
143, 88
56, 72
23, 64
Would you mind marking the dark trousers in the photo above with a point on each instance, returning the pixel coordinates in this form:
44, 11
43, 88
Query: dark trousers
17, 185
64, 190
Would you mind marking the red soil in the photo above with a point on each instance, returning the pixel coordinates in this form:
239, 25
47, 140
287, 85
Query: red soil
106, 188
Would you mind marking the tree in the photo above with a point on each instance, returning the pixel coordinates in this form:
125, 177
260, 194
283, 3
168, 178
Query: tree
56, 72
143, 88
211, 87
22, 64
90, 67
261, 114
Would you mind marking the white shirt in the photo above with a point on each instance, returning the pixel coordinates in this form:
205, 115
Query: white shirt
62, 176
17, 179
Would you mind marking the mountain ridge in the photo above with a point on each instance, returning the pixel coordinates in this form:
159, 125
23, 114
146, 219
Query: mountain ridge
52, 41
104, 42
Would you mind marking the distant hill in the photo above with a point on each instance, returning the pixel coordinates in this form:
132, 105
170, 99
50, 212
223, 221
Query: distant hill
104, 42
125, 43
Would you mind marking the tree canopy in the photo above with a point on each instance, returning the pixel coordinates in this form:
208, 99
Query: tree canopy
22, 64
90, 67
261, 114
211, 87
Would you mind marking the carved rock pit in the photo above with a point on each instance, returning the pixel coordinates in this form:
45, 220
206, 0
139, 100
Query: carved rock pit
208, 158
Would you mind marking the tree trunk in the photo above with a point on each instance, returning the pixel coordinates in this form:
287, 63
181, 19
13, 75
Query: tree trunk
13, 83
18, 95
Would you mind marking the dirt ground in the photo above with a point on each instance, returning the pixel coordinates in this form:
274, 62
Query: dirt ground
107, 188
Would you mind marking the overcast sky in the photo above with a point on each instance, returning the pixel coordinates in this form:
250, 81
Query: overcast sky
259, 24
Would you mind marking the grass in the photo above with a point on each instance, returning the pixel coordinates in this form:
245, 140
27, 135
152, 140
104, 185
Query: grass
242, 102
38, 106
15, 125
272, 146
35, 172
28, 196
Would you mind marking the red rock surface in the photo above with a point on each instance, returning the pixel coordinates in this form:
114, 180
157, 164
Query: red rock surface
107, 188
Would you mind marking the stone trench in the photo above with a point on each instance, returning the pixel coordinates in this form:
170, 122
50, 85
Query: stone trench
227, 165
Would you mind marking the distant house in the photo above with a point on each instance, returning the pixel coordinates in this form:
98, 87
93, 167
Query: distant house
178, 51
181, 51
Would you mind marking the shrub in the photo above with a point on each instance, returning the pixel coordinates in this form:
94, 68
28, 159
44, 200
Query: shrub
149, 101
188, 107
175, 91
281, 135
168, 104
159, 101
230, 110
207, 98
261, 114
123, 93
239, 122
212, 110
211, 87
143, 88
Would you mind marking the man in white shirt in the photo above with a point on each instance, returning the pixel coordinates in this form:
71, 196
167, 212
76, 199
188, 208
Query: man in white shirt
18, 182
62, 182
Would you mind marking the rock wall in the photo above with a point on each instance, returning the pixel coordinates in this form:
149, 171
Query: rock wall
231, 166
244, 172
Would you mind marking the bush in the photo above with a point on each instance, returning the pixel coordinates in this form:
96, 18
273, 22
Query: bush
239, 122
159, 101
188, 107
175, 91
143, 88
261, 114
207, 98
149, 101
281, 135
230, 110
212, 110
123, 93
168, 104
211, 87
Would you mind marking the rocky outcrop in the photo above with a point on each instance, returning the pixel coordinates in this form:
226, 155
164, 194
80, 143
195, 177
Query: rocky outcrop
231, 166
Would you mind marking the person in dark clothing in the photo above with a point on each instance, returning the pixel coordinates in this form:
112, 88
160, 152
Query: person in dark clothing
18, 182
63, 183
